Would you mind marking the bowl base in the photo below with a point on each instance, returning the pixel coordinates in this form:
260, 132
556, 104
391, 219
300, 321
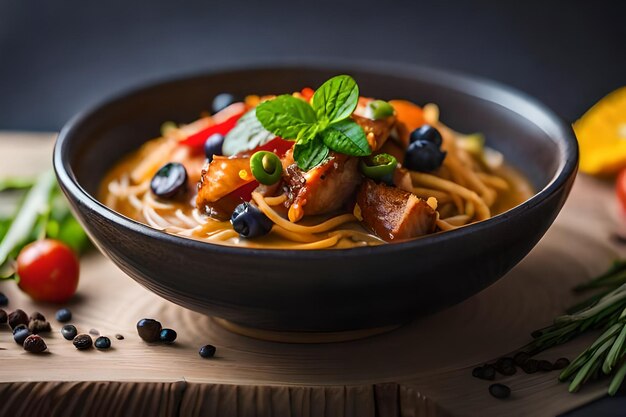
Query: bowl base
302, 337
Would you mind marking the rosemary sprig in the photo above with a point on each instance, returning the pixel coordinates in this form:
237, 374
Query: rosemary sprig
605, 311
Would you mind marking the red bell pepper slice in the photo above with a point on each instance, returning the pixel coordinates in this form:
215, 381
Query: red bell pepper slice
197, 140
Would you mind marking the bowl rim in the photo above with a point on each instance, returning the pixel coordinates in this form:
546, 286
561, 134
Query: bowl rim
496, 93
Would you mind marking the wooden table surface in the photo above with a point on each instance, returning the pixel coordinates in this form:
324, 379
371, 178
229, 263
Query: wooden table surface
421, 369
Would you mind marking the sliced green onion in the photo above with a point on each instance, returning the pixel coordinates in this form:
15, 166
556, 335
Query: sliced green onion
266, 167
381, 109
379, 167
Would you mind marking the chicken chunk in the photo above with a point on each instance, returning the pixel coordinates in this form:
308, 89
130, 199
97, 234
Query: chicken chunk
323, 189
394, 214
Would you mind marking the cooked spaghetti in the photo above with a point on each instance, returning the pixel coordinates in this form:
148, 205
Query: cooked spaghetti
377, 172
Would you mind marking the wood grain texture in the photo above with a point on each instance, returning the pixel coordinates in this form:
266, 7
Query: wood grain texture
421, 369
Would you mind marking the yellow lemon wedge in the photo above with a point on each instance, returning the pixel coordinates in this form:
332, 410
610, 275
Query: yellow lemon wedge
601, 134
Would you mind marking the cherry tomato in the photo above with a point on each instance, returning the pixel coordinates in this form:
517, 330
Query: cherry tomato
48, 271
620, 189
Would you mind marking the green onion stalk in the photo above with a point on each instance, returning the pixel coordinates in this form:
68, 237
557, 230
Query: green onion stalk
605, 311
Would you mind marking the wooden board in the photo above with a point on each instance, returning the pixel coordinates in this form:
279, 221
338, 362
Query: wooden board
421, 369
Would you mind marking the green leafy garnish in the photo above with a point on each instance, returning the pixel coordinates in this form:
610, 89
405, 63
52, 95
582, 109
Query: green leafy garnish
318, 127
43, 213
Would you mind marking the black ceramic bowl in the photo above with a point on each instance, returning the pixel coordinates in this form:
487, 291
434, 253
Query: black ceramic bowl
322, 290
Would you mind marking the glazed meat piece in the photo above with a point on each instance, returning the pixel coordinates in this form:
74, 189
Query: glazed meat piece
323, 189
224, 183
376, 131
394, 214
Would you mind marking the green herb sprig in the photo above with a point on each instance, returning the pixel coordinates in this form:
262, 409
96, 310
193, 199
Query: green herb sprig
43, 213
318, 127
603, 311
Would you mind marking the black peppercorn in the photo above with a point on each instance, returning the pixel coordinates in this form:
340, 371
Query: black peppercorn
20, 334
3, 316
561, 363
149, 330
103, 343
487, 372
18, 317
545, 366
37, 316
69, 331
477, 372
4, 301
119, 337
531, 366
505, 366
207, 351
34, 344
500, 391
520, 358
63, 315
39, 326
82, 341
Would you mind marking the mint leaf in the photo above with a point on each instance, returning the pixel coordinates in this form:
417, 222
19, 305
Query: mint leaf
336, 99
247, 134
310, 154
286, 116
346, 137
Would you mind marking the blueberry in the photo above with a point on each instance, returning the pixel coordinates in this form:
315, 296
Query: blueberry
207, 351
223, 100
167, 336
213, 145
4, 301
423, 156
69, 331
249, 221
20, 334
149, 330
103, 343
63, 315
169, 181
426, 133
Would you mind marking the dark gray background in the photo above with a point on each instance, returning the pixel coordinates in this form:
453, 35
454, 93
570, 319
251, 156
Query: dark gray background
57, 57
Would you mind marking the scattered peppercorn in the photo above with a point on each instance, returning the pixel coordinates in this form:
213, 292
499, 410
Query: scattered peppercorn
18, 317
20, 334
3, 316
506, 366
520, 358
560, 363
37, 316
149, 330
63, 315
531, 366
34, 344
69, 331
119, 337
94, 332
545, 366
39, 326
207, 351
82, 341
4, 301
103, 343
167, 336
500, 391
487, 372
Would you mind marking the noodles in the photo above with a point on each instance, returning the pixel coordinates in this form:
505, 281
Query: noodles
461, 191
